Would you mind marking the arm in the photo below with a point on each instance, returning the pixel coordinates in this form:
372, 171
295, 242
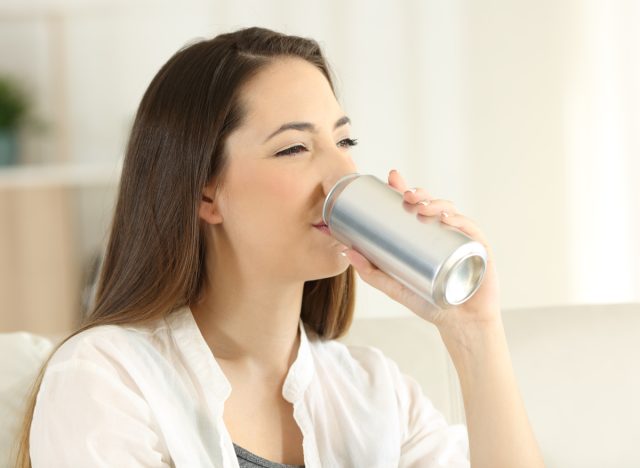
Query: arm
499, 430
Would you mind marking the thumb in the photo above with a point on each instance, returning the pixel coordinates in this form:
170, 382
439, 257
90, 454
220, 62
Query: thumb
375, 276
359, 262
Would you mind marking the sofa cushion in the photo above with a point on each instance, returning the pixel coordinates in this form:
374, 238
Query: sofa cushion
21, 355
578, 369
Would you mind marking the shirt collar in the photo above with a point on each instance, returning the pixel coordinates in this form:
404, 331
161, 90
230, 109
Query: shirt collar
198, 354
301, 371
190, 340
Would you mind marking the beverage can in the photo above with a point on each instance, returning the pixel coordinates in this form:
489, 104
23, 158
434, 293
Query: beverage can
436, 261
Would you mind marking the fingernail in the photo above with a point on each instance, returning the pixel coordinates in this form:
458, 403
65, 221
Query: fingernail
444, 214
411, 190
424, 202
392, 170
343, 253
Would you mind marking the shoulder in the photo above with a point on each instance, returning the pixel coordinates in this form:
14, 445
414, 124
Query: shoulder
109, 347
92, 395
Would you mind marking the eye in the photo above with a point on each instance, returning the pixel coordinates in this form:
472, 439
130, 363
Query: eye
347, 142
291, 150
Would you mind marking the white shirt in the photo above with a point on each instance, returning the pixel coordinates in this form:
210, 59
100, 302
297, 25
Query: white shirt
134, 396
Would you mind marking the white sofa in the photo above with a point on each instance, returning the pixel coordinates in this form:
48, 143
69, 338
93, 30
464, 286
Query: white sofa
578, 369
21, 355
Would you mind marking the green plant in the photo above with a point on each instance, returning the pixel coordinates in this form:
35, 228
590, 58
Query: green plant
13, 104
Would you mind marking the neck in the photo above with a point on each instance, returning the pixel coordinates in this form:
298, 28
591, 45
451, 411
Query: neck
254, 323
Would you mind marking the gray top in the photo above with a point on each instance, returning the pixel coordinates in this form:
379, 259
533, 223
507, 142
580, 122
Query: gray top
250, 460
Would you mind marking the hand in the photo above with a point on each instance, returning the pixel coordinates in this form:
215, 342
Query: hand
482, 308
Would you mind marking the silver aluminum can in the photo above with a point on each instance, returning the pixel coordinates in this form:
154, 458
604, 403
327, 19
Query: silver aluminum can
436, 261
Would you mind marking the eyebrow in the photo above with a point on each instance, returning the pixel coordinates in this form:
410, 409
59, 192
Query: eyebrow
306, 126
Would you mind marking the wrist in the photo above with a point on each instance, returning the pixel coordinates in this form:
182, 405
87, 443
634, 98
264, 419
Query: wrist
470, 341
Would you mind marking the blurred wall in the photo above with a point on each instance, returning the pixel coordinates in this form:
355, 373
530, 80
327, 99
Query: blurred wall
525, 114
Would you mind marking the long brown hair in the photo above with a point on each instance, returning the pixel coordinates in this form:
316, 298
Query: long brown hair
154, 262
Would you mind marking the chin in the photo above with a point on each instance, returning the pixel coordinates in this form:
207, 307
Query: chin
339, 268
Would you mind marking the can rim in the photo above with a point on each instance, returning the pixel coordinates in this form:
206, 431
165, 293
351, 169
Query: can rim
471, 249
330, 200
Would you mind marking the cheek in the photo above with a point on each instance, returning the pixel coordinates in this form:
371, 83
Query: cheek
284, 187
263, 191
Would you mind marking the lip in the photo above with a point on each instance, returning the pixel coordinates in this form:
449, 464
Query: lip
323, 227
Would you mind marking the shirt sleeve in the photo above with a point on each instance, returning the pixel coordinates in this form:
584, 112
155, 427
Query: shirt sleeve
87, 416
428, 440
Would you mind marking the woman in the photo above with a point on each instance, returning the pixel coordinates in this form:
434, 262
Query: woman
210, 341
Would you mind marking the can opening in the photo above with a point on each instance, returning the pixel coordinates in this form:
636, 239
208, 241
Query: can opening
464, 279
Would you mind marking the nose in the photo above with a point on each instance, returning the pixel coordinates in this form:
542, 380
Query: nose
340, 166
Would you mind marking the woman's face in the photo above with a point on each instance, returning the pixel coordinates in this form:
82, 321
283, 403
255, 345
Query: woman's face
292, 146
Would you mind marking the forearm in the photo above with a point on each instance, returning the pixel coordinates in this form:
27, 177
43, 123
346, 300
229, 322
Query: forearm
499, 431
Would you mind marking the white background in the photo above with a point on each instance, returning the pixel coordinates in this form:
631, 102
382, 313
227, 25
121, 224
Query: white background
525, 114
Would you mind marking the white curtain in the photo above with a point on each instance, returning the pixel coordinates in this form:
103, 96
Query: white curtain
603, 153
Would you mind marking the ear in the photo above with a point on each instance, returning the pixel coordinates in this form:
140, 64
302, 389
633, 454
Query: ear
208, 210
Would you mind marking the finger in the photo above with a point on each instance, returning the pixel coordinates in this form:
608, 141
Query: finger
410, 194
466, 226
391, 287
374, 276
416, 195
396, 181
435, 207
